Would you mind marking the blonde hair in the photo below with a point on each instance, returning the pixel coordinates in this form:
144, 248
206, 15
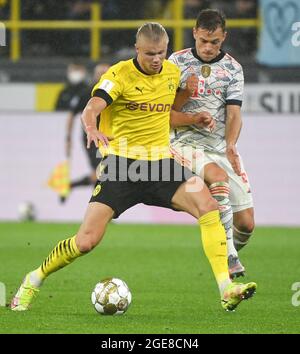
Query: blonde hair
153, 31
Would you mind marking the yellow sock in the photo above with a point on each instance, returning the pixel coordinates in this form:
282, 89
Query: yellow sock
215, 247
64, 253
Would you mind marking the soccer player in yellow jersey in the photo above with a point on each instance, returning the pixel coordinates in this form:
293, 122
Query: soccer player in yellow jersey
134, 98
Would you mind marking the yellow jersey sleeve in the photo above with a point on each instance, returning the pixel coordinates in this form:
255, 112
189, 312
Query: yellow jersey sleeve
111, 82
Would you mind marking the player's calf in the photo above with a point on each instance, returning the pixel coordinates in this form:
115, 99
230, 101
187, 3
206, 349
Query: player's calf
220, 192
240, 238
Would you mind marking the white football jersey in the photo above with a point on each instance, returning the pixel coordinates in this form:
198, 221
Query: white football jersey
221, 82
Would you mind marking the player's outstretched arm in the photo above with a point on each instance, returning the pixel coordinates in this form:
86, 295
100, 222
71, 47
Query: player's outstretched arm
89, 120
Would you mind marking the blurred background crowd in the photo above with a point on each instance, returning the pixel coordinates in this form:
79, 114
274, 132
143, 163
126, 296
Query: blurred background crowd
58, 47
115, 44
52, 43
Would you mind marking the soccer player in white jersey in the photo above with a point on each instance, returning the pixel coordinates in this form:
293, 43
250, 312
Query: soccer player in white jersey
212, 83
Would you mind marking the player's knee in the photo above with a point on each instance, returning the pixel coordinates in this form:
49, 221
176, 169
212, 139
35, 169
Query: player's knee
218, 175
221, 176
205, 206
246, 226
85, 246
242, 234
87, 241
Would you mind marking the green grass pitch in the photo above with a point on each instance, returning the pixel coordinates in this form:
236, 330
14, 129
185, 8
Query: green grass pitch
172, 286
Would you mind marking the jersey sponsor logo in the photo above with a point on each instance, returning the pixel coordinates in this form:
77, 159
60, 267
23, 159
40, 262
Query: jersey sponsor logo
150, 107
202, 90
106, 85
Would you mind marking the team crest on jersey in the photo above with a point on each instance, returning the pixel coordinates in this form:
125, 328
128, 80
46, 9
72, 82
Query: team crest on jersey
97, 190
205, 71
171, 84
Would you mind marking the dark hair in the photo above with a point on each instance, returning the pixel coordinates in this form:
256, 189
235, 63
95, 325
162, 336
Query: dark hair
210, 20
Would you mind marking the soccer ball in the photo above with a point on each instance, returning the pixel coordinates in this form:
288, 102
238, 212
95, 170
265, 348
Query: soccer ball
111, 296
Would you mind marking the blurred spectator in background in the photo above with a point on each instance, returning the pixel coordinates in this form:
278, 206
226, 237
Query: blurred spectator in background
76, 105
4, 9
246, 37
191, 9
61, 43
78, 10
158, 9
120, 42
43, 42
77, 84
116, 41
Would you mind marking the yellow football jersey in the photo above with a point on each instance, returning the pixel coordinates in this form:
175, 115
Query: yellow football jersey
138, 117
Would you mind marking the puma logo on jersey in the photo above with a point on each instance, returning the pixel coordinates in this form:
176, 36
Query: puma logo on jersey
139, 89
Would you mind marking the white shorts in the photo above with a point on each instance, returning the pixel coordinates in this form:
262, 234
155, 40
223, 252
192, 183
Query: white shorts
196, 158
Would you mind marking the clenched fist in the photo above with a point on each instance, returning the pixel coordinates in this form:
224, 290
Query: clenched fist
204, 120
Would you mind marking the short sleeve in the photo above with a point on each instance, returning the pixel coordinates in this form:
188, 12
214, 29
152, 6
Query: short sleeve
110, 83
173, 60
236, 88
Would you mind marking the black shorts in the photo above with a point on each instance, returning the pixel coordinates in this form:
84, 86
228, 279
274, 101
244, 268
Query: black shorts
126, 182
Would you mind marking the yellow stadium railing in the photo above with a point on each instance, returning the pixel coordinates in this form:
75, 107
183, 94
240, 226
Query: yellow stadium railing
95, 25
